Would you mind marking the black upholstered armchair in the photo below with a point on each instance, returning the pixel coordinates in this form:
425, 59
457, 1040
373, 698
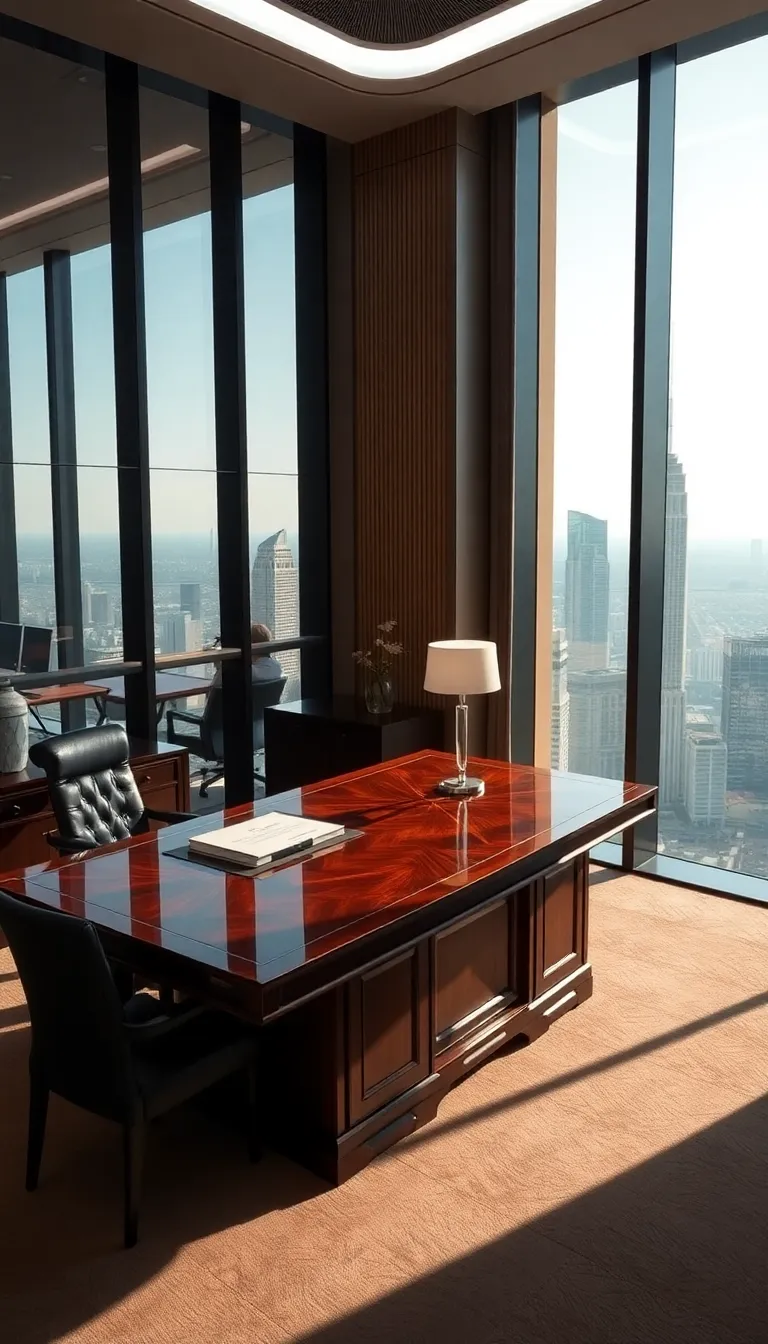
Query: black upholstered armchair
126, 1062
208, 741
93, 792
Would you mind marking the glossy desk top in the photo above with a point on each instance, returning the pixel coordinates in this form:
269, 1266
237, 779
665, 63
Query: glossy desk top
417, 849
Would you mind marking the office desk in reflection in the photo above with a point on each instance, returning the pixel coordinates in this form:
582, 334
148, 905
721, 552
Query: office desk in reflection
385, 969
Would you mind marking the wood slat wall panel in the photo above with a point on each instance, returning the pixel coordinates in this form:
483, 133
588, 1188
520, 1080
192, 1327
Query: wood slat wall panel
407, 142
405, 416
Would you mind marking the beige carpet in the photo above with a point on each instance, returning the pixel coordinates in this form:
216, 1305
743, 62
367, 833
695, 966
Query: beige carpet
607, 1185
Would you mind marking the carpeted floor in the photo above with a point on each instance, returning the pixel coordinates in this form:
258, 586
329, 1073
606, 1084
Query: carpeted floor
607, 1185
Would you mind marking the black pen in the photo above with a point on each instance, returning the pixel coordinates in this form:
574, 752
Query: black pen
285, 853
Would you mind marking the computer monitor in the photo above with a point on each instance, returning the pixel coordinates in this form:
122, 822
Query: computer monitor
10, 646
36, 648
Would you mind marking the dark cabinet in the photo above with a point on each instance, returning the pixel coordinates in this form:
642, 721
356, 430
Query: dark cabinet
309, 740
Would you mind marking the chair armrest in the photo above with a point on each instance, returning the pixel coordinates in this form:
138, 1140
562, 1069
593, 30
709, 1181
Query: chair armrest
184, 716
171, 818
65, 846
162, 1025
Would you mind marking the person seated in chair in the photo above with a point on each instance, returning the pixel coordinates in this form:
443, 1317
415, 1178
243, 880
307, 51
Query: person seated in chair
263, 666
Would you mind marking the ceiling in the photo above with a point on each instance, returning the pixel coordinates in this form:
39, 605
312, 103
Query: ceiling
53, 167
393, 21
208, 47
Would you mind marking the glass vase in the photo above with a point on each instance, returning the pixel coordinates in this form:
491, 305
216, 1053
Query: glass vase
379, 693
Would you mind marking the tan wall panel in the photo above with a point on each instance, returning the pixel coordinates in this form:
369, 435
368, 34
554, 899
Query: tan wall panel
405, 416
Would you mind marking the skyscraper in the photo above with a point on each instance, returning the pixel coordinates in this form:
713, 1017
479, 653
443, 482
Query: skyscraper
275, 600
587, 575
560, 701
86, 592
179, 633
671, 762
190, 599
101, 608
744, 723
598, 707
705, 778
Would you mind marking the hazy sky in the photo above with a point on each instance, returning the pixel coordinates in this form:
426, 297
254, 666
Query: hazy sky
720, 297
720, 337
180, 377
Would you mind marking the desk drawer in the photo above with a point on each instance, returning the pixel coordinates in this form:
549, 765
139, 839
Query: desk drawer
152, 775
158, 784
23, 805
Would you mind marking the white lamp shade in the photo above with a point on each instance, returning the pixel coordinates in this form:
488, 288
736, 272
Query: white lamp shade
462, 667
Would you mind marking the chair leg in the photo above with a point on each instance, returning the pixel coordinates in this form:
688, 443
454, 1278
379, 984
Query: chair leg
38, 1112
252, 1117
134, 1138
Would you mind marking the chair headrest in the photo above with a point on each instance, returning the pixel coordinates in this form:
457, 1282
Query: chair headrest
84, 752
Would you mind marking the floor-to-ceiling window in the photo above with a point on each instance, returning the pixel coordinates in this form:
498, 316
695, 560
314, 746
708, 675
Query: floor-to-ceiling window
82, 326
660, 576
714, 726
595, 237
270, 349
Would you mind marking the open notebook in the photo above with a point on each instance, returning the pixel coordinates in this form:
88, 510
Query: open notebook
264, 840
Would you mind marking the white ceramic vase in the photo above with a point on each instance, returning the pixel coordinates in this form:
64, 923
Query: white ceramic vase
14, 730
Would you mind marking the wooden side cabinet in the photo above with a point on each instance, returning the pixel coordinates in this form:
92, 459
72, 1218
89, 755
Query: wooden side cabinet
26, 816
306, 741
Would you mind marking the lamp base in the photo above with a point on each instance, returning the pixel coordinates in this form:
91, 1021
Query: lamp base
458, 788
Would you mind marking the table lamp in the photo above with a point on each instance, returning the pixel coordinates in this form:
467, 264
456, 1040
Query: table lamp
462, 667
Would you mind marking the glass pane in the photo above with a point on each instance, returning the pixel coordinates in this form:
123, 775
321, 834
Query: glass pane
92, 338
100, 565
177, 282
184, 560
714, 748
596, 189
28, 366
270, 324
273, 512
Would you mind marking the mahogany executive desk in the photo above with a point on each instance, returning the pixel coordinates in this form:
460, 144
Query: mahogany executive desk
383, 969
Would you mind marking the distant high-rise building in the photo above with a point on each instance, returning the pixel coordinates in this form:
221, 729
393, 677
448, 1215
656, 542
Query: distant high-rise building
671, 765
587, 575
275, 600
560, 701
86, 593
190, 599
597, 717
179, 633
707, 663
101, 609
744, 723
706, 766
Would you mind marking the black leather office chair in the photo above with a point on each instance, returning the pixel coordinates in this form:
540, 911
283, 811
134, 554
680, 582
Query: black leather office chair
208, 742
125, 1062
93, 792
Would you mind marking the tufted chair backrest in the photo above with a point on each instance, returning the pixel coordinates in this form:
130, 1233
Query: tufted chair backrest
93, 792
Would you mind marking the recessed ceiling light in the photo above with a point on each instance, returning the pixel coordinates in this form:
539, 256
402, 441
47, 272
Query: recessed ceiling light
376, 62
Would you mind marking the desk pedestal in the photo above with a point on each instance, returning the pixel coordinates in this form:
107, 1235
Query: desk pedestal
348, 1074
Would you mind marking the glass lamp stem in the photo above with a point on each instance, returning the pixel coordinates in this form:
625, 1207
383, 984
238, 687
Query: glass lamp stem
462, 715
